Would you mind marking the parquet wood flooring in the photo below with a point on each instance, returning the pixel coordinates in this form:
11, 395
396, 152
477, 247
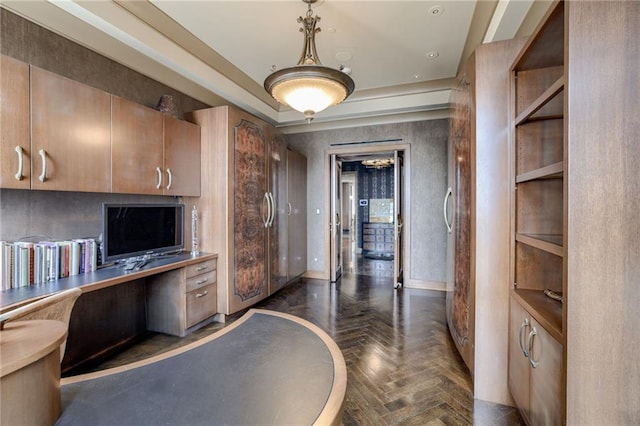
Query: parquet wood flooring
402, 366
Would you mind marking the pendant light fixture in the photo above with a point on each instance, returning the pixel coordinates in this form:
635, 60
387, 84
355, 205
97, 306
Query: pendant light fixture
309, 87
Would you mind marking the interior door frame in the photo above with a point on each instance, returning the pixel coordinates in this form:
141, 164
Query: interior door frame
369, 148
335, 219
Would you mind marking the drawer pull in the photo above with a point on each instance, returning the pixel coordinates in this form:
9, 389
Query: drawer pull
203, 294
202, 268
43, 156
159, 184
200, 282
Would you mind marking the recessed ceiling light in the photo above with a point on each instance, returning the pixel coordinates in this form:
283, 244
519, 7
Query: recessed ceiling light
433, 54
436, 10
417, 76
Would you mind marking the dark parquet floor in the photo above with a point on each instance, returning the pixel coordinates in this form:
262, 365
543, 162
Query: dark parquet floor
402, 366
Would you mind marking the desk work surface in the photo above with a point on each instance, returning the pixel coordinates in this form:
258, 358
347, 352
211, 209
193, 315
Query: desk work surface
266, 368
25, 342
101, 278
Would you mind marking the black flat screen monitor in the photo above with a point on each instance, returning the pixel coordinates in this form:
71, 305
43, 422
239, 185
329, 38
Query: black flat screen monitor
133, 230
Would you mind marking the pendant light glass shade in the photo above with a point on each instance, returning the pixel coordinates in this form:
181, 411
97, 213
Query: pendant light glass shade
309, 87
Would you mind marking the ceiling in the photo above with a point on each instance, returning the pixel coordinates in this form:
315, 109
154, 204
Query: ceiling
403, 55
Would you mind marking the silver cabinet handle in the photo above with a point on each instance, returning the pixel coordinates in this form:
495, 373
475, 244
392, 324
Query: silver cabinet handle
272, 201
201, 268
170, 176
525, 323
265, 220
18, 174
43, 156
446, 201
159, 184
203, 294
200, 282
289, 209
532, 361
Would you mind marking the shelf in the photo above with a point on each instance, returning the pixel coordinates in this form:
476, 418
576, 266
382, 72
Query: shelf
551, 243
545, 47
527, 114
552, 171
546, 311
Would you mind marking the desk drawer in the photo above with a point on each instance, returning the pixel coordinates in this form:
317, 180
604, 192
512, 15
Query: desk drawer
201, 280
201, 268
201, 304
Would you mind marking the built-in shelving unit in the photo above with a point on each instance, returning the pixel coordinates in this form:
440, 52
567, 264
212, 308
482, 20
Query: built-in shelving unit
539, 223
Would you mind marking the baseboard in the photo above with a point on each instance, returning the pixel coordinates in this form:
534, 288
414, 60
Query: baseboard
426, 285
318, 275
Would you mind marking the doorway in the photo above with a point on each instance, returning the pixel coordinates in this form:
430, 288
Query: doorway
367, 213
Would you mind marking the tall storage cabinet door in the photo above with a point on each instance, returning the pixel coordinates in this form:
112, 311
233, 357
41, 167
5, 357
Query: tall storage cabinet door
297, 213
278, 251
250, 212
71, 134
15, 165
137, 149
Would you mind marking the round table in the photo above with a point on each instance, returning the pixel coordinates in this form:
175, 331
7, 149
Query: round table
30, 371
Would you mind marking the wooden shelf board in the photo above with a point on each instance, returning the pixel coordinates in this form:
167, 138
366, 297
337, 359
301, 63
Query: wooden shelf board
526, 115
551, 243
552, 171
546, 311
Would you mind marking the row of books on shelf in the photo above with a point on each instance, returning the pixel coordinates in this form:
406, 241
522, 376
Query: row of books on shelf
26, 263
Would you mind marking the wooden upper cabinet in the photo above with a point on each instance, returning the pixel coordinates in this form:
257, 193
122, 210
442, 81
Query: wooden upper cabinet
70, 139
181, 157
137, 148
15, 165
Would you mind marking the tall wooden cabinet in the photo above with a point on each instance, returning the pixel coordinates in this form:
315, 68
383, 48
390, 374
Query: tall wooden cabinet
476, 209
296, 214
575, 224
243, 207
15, 140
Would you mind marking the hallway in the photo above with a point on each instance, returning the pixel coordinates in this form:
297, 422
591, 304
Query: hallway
402, 366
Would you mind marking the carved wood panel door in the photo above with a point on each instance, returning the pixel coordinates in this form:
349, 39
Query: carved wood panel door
250, 213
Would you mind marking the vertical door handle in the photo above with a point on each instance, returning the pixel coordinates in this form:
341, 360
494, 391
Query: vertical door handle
18, 174
43, 156
446, 218
525, 323
159, 184
532, 361
273, 208
265, 220
289, 209
170, 178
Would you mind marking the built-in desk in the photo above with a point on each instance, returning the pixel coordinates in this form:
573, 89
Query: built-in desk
172, 294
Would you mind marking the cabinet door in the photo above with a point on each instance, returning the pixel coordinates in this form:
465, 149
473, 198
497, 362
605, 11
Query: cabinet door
137, 151
181, 157
71, 134
546, 377
519, 368
278, 252
15, 167
249, 215
297, 213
